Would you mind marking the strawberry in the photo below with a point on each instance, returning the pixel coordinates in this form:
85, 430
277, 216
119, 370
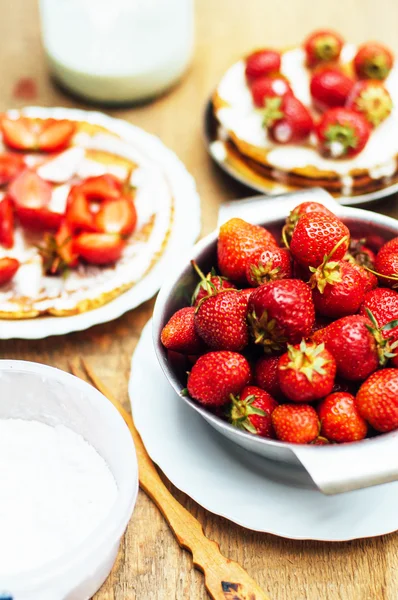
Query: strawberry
179, 334
362, 255
49, 135
31, 196
220, 320
306, 372
357, 345
237, 241
302, 209
386, 266
316, 235
280, 312
8, 268
342, 133
340, 419
268, 265
295, 423
383, 304
10, 166
266, 375
101, 187
373, 61
338, 288
369, 279
372, 99
390, 246
98, 248
217, 375
287, 120
116, 216
78, 213
57, 251
209, 284
322, 46
377, 400
262, 62
6, 223
269, 87
330, 88
252, 410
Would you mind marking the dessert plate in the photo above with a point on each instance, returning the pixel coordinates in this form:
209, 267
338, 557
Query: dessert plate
184, 230
246, 489
244, 170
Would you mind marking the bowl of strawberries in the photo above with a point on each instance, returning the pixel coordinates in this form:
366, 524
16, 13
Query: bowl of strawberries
282, 333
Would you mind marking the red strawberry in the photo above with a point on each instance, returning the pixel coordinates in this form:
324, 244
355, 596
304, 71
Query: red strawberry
338, 288
357, 345
10, 166
316, 235
390, 246
383, 304
281, 312
8, 268
268, 265
209, 284
116, 216
252, 410
220, 320
57, 251
266, 375
342, 133
101, 187
386, 266
78, 213
179, 334
217, 375
48, 135
237, 241
302, 209
6, 223
306, 372
295, 423
340, 419
31, 196
372, 100
287, 120
373, 61
98, 248
269, 87
262, 62
377, 400
369, 279
322, 46
330, 88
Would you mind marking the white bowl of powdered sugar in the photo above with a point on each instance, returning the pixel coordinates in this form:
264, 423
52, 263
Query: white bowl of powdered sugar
69, 482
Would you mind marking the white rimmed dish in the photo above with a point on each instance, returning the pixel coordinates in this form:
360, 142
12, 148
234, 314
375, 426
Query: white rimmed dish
33, 391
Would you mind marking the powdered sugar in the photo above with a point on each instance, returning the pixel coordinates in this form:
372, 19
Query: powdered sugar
56, 489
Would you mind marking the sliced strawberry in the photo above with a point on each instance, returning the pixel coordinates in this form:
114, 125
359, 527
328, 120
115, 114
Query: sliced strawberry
8, 268
117, 216
47, 135
98, 248
31, 196
64, 241
101, 187
10, 166
78, 214
6, 223
57, 251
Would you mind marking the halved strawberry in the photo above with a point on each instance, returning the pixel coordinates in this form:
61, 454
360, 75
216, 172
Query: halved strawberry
10, 165
78, 213
8, 268
47, 135
117, 216
101, 187
6, 223
98, 248
57, 251
31, 196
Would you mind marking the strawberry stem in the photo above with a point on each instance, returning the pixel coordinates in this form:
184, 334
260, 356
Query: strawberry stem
197, 269
284, 236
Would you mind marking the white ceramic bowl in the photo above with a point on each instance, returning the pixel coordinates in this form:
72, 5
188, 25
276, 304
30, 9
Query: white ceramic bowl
334, 468
33, 391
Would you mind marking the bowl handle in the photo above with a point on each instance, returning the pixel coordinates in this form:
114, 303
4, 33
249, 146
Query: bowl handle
336, 469
257, 209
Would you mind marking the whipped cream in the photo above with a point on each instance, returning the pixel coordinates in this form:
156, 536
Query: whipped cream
241, 118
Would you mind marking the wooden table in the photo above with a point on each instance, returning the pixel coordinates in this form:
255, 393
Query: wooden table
150, 564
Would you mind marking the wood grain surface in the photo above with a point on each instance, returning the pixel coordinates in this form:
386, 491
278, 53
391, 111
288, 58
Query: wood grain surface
150, 565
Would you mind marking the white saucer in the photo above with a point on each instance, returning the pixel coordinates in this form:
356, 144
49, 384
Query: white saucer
240, 486
185, 231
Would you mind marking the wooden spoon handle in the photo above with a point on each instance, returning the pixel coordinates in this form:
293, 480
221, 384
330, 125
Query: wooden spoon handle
224, 579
